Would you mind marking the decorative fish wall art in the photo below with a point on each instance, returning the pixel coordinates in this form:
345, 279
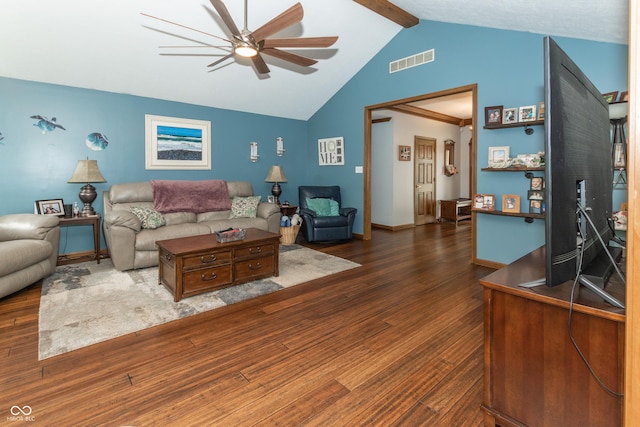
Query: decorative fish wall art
97, 141
45, 124
1, 138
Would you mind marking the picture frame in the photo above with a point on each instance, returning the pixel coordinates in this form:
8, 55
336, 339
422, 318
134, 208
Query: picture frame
535, 195
498, 156
610, 96
541, 110
535, 206
509, 115
511, 203
537, 183
484, 202
527, 113
404, 153
624, 96
173, 143
331, 151
50, 207
271, 199
493, 115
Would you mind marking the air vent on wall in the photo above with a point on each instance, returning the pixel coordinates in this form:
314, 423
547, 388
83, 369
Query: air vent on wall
412, 61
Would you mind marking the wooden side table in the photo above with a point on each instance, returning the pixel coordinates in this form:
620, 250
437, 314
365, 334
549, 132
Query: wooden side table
93, 220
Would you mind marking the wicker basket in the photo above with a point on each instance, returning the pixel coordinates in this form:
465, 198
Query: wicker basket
288, 234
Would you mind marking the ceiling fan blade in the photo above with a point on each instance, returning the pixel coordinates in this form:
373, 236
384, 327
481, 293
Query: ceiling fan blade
224, 58
260, 65
226, 17
184, 26
290, 57
285, 19
301, 42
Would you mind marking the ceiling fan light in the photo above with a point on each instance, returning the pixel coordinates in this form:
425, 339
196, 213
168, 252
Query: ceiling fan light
246, 50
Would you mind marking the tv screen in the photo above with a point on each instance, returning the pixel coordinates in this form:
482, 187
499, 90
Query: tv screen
578, 169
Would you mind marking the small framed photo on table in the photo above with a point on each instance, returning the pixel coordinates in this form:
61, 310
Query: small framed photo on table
50, 207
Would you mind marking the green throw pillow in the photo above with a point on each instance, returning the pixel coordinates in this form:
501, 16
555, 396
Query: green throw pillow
323, 207
149, 218
244, 207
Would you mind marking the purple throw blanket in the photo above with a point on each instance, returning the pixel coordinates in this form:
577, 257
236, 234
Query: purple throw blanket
190, 196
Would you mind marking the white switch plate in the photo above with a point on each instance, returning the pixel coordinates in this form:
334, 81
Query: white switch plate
358, 169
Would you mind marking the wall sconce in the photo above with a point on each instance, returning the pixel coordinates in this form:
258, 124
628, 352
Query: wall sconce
279, 147
254, 152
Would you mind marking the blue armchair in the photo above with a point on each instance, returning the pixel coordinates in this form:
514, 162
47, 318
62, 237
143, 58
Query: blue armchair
323, 217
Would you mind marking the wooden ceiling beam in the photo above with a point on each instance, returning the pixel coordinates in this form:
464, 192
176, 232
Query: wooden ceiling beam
428, 114
390, 11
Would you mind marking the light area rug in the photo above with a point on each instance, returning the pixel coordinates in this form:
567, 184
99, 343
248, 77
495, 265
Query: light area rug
83, 304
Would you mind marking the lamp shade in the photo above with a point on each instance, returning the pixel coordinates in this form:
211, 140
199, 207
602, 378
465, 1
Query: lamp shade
618, 110
87, 171
276, 174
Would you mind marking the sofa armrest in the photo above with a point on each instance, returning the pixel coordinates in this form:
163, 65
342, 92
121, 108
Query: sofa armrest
122, 219
26, 226
265, 210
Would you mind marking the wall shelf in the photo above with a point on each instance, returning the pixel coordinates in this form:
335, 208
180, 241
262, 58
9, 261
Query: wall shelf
513, 169
528, 217
515, 125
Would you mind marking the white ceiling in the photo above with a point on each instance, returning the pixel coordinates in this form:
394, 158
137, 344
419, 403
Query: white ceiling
110, 46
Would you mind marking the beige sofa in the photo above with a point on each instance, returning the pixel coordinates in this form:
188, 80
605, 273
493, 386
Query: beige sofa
131, 246
28, 250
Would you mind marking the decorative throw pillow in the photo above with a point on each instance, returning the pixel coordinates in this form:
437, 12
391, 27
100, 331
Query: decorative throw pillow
323, 207
149, 218
244, 207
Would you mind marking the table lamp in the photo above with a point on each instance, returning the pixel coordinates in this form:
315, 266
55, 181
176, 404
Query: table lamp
87, 172
276, 175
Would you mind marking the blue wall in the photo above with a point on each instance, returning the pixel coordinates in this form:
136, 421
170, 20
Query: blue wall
508, 68
506, 65
36, 166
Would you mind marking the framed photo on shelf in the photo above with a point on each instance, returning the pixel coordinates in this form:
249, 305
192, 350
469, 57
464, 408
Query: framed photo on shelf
509, 115
528, 113
624, 96
535, 195
511, 203
535, 206
610, 96
537, 183
541, 110
498, 155
493, 115
50, 207
404, 153
484, 202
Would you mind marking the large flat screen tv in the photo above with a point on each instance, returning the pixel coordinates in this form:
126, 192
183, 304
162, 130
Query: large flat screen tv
579, 175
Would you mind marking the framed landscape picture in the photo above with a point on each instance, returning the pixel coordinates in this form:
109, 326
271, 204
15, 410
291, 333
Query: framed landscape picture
173, 143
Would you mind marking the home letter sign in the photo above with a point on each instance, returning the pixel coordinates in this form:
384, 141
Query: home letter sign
331, 151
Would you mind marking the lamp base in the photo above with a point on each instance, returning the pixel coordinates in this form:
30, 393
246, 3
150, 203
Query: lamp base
87, 196
276, 190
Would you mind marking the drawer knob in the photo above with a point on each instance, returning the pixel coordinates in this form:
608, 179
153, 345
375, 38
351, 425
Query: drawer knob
208, 258
257, 266
212, 276
255, 250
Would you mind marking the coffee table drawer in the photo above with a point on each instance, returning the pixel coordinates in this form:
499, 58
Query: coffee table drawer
255, 267
207, 278
256, 250
206, 259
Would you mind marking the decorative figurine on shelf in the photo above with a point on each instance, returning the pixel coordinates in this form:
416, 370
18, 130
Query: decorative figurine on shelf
76, 209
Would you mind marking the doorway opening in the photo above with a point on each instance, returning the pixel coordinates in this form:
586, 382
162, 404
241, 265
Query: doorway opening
413, 106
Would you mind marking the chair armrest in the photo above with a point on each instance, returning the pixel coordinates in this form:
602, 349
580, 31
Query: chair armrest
122, 219
307, 212
348, 211
26, 226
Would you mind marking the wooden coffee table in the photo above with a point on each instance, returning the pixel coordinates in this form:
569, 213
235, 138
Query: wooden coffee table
197, 264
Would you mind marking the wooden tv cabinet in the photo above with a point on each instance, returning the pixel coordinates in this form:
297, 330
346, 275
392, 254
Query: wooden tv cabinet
533, 375
193, 265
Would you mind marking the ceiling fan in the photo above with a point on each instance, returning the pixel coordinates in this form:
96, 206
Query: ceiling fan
252, 44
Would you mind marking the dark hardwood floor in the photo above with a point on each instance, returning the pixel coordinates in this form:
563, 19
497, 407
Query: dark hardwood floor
398, 341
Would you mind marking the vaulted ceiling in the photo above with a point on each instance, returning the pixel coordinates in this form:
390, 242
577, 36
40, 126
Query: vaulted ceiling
111, 46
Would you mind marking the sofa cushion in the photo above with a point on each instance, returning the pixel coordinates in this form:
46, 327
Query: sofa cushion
244, 207
146, 239
19, 254
149, 218
190, 196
